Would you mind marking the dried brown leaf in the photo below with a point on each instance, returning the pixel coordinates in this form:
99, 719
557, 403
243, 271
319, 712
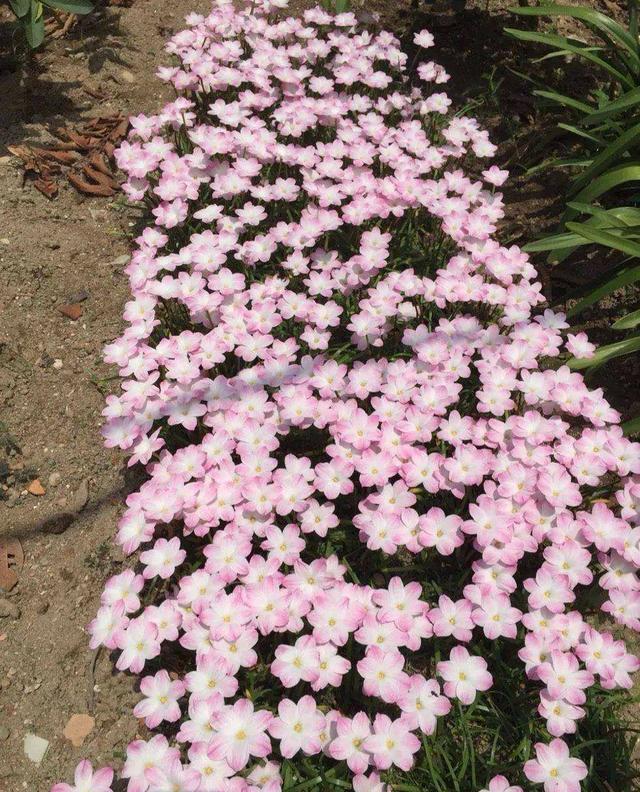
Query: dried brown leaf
60, 155
90, 189
48, 188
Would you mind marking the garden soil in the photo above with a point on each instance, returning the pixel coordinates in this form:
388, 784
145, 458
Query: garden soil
62, 292
67, 251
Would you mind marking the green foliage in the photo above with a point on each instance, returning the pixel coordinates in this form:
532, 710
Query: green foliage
602, 200
337, 6
30, 15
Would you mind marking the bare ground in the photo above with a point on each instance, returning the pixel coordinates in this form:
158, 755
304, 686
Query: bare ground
52, 253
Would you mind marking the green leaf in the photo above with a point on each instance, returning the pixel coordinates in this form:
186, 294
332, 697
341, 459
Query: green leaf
613, 152
632, 426
72, 6
607, 27
574, 130
566, 101
555, 242
606, 238
607, 181
565, 46
628, 99
605, 353
34, 26
603, 219
624, 278
619, 216
628, 322
20, 7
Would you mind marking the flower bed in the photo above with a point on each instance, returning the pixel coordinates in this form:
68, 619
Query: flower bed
376, 515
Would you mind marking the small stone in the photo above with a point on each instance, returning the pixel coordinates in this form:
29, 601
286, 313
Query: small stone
36, 488
99, 215
45, 361
9, 610
79, 296
4, 733
57, 364
77, 728
126, 76
120, 261
81, 497
54, 479
72, 310
35, 747
5, 241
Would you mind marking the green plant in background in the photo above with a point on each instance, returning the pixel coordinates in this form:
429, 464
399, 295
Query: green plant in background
30, 15
603, 206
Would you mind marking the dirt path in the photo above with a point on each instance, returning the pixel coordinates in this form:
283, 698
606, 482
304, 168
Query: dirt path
51, 378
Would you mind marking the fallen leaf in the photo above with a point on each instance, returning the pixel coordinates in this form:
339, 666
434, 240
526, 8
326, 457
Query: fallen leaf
72, 310
11, 561
87, 147
81, 141
48, 188
36, 488
65, 157
98, 176
97, 161
90, 189
78, 727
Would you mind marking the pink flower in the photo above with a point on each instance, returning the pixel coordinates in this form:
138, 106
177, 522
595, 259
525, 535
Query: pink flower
563, 677
138, 641
161, 699
464, 675
554, 768
452, 618
441, 531
349, 743
241, 733
87, 780
399, 603
422, 703
172, 777
383, 674
298, 727
163, 558
500, 784
579, 346
423, 39
297, 662
497, 177
391, 743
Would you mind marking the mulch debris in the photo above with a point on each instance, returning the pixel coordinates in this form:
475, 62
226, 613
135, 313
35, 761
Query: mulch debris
83, 155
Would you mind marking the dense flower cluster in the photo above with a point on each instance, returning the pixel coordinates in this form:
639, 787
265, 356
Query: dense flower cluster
330, 360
